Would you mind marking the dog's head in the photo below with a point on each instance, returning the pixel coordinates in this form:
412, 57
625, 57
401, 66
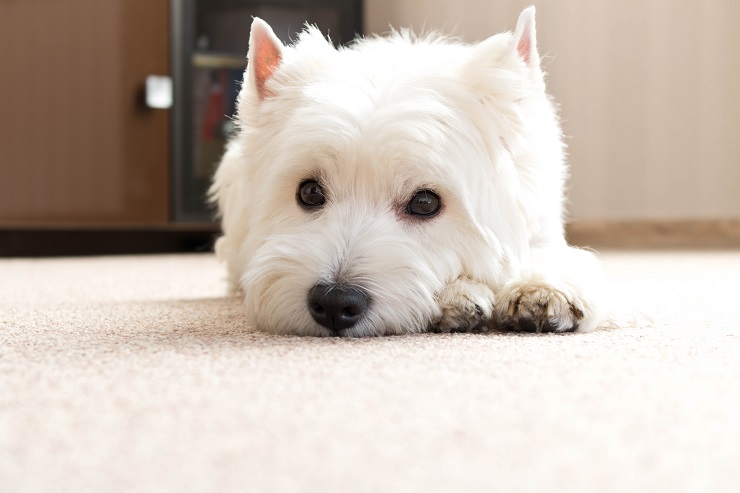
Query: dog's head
364, 180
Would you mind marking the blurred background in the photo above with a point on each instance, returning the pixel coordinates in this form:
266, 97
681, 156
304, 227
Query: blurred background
649, 93
113, 113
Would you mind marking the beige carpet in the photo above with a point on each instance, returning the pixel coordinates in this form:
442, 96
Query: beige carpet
137, 374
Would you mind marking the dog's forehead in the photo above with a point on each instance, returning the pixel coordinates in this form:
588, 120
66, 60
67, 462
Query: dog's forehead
390, 148
380, 120
407, 125
365, 79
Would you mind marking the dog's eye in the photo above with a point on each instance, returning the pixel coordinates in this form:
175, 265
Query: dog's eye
424, 204
310, 194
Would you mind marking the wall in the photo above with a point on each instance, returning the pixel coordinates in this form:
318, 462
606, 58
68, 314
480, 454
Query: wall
650, 95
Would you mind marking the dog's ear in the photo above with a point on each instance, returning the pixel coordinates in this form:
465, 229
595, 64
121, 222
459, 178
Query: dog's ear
265, 55
525, 37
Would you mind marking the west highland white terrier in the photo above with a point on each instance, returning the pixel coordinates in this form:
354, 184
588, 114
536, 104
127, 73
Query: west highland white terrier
403, 184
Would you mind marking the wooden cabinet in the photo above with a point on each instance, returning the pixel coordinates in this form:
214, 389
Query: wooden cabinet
85, 166
78, 146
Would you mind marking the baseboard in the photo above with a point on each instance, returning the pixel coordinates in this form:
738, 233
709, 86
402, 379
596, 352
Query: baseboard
67, 240
655, 234
70, 240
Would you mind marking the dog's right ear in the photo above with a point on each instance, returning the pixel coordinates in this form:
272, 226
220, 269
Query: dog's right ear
264, 57
525, 38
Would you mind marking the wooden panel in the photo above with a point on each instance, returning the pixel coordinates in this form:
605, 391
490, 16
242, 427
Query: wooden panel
77, 144
645, 234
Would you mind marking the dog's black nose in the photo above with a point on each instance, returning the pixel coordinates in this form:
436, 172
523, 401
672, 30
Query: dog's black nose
337, 307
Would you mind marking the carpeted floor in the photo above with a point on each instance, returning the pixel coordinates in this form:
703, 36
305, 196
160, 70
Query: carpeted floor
138, 374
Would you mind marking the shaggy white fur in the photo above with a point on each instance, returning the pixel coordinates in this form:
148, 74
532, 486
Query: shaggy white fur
416, 183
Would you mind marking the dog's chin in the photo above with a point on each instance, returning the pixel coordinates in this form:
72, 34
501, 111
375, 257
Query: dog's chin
371, 331
315, 330
295, 320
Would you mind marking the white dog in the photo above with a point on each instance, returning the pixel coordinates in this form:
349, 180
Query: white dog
400, 185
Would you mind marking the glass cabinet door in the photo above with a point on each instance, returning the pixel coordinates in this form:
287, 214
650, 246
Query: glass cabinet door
210, 43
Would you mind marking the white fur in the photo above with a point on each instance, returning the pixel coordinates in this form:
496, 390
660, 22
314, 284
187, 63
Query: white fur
375, 123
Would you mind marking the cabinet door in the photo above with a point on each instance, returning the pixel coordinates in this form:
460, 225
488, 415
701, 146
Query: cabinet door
77, 144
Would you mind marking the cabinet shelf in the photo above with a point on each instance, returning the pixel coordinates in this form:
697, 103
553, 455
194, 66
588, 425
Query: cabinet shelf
218, 61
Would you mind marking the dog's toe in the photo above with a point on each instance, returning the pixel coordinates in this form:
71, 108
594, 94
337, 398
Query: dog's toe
466, 306
539, 308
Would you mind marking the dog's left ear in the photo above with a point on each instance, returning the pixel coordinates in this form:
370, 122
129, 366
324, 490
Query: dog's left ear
525, 38
264, 57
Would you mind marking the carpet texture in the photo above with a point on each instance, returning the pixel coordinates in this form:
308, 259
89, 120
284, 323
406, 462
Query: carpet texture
138, 374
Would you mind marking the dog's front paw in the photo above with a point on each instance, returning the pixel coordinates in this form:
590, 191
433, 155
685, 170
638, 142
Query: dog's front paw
538, 308
466, 307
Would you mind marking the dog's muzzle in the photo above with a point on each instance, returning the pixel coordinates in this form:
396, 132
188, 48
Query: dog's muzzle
337, 307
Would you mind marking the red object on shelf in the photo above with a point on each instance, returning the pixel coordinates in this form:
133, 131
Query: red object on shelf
215, 109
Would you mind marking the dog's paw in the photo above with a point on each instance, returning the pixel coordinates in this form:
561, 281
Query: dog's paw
538, 308
466, 307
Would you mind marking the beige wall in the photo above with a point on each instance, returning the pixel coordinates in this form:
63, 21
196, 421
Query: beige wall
650, 95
